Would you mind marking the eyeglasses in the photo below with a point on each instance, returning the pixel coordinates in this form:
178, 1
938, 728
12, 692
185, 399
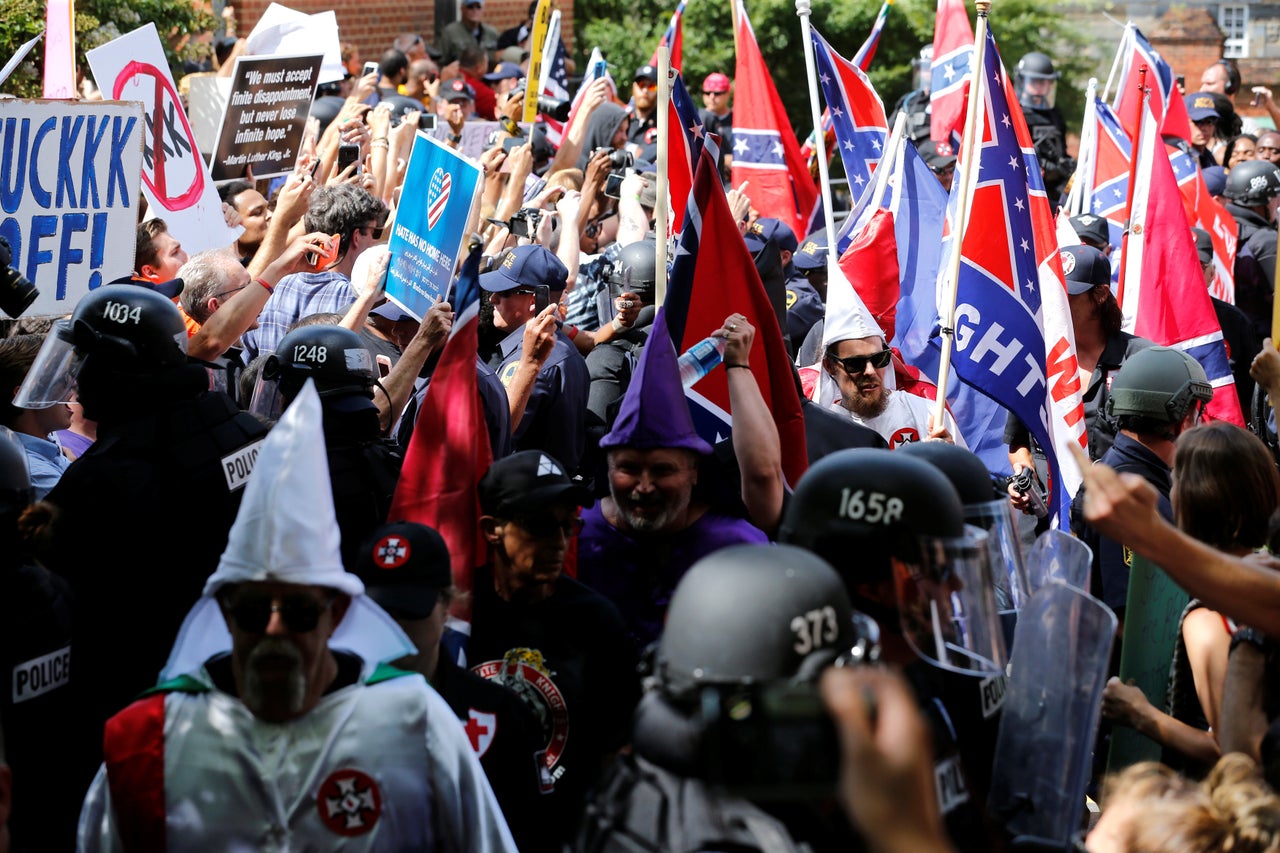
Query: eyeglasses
547, 526
595, 224
223, 293
856, 364
945, 170
375, 231
519, 292
300, 613
645, 84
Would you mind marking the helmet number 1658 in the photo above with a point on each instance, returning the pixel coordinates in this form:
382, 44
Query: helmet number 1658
876, 508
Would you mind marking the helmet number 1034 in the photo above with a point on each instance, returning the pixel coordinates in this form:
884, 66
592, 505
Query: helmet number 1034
122, 312
874, 508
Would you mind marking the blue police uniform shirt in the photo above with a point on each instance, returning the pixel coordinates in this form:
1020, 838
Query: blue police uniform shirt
804, 308
497, 414
555, 419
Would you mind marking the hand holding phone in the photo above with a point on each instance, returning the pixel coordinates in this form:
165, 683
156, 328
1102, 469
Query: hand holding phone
327, 255
541, 298
371, 68
348, 153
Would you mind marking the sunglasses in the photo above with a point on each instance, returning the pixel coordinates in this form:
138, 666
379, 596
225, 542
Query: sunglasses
300, 613
856, 364
548, 526
705, 92
645, 83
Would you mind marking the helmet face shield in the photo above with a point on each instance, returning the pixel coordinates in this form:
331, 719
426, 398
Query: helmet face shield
52, 377
1008, 568
947, 607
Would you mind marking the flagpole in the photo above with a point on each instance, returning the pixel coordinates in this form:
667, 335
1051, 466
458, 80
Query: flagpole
891, 146
1115, 63
660, 206
824, 176
977, 88
1133, 181
733, 15
1076, 202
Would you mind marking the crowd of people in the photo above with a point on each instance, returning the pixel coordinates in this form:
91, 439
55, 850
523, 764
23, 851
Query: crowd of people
223, 632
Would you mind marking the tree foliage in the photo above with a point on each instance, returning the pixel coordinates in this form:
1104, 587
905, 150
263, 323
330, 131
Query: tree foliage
98, 22
627, 31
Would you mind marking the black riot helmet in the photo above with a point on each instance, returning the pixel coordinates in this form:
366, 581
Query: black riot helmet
882, 516
117, 332
1158, 386
16, 491
1253, 183
753, 613
635, 270
1036, 80
334, 357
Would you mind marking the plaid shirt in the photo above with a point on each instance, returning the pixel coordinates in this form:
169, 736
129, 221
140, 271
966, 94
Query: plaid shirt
294, 297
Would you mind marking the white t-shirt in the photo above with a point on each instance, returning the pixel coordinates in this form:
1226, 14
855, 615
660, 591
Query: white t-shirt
905, 419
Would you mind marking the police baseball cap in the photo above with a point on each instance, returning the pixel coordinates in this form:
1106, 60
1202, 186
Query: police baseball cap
1085, 268
1204, 245
715, 82
458, 89
1200, 106
1215, 179
504, 71
526, 266
765, 229
168, 289
528, 482
1092, 230
393, 312
646, 72
404, 567
934, 157
812, 254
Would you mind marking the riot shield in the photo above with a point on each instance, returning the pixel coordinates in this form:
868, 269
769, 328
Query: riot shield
1051, 712
1057, 555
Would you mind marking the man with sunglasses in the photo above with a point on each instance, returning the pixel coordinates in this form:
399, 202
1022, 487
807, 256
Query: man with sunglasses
277, 723
561, 647
860, 366
717, 115
644, 114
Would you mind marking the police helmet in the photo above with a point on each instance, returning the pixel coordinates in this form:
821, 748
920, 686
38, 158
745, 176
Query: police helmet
635, 270
1160, 384
1253, 183
880, 515
753, 613
334, 357
16, 491
1037, 66
120, 328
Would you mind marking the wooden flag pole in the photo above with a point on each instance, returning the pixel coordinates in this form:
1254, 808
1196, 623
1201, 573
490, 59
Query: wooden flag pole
660, 206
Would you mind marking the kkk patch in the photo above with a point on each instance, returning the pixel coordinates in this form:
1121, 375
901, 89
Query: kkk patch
349, 802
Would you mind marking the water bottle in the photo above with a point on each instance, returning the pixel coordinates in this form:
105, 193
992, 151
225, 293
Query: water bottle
701, 359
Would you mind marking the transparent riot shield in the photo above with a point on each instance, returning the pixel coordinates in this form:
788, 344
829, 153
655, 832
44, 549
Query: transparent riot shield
1051, 712
1057, 555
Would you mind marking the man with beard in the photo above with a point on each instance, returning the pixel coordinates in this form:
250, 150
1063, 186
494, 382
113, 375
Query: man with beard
661, 514
278, 724
859, 367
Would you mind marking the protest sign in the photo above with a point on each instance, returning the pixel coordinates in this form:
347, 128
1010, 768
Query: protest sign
282, 31
59, 50
69, 176
1151, 625
175, 179
266, 116
440, 189
207, 96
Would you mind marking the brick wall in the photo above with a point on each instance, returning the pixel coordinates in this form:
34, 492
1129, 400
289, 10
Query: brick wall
373, 24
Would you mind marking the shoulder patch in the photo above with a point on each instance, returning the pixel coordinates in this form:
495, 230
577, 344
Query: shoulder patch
237, 466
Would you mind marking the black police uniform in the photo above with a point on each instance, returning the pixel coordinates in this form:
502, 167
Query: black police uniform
569, 658
363, 470
142, 520
493, 397
505, 735
555, 418
1049, 135
1243, 344
1255, 268
919, 114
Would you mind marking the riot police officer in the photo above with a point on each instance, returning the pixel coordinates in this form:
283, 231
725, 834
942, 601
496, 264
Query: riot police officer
916, 102
148, 506
780, 617
893, 528
631, 276
1253, 194
1036, 80
363, 465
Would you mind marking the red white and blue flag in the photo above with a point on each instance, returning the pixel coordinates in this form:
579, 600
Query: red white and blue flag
1013, 336
555, 77
765, 151
449, 451
1164, 297
1166, 101
856, 111
672, 38
1205, 212
712, 275
685, 137
952, 61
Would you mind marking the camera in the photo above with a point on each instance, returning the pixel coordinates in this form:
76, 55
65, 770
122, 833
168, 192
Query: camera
619, 158
348, 153
426, 121
525, 222
554, 108
16, 292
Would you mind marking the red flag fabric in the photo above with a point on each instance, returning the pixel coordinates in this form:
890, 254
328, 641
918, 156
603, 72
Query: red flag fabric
952, 61
871, 265
449, 451
713, 275
765, 151
1166, 101
673, 38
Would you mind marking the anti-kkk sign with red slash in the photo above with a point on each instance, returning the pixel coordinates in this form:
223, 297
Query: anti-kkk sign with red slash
175, 178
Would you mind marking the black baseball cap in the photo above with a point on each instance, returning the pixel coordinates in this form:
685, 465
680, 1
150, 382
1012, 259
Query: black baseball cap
1091, 229
526, 483
1084, 268
404, 566
1204, 245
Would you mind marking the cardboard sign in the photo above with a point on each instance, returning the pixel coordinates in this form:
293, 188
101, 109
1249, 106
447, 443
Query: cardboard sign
440, 189
207, 96
266, 116
69, 173
175, 179
282, 31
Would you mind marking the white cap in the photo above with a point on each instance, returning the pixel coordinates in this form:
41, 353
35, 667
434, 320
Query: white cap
847, 317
